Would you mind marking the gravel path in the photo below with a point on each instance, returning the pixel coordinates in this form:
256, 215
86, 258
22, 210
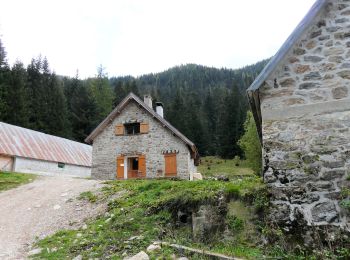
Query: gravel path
40, 208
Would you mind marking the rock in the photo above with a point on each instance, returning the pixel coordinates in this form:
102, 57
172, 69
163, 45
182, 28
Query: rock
313, 59
333, 174
324, 37
325, 211
341, 20
153, 247
315, 34
320, 186
337, 59
340, 92
182, 258
78, 257
293, 59
345, 74
288, 82
223, 178
56, 207
309, 85
301, 68
79, 235
140, 256
333, 29
280, 214
299, 51
35, 251
197, 176
345, 66
312, 76
334, 51
310, 45
84, 227
333, 164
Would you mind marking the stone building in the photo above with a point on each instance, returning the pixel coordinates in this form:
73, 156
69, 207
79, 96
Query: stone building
134, 141
27, 151
301, 106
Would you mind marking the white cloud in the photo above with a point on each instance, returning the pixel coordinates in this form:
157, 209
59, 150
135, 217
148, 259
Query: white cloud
136, 36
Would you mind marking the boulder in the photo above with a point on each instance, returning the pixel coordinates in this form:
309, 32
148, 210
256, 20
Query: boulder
140, 256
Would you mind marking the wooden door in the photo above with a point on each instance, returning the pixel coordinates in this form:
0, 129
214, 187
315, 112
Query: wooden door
142, 166
170, 165
120, 167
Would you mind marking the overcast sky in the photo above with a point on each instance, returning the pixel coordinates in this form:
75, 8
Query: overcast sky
135, 37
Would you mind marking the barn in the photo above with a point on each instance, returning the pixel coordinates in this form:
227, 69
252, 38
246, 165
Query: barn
27, 151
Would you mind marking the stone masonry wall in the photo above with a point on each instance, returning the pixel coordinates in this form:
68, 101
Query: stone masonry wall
107, 146
306, 120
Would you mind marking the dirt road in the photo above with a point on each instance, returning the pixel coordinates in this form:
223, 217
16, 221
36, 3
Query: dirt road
40, 208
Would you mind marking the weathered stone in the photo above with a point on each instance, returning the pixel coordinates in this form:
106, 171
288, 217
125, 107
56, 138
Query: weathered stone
345, 74
280, 214
333, 195
315, 34
332, 29
340, 92
327, 67
324, 37
312, 59
333, 164
321, 23
342, 6
288, 82
307, 159
313, 168
329, 43
313, 76
333, 174
347, 12
323, 149
309, 85
329, 76
152, 248
345, 66
299, 51
320, 186
341, 20
293, 60
294, 101
301, 68
337, 59
284, 165
334, 51
140, 256
310, 45
325, 211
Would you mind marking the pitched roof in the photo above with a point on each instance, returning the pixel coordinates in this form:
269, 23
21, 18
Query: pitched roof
253, 90
23, 142
116, 111
288, 44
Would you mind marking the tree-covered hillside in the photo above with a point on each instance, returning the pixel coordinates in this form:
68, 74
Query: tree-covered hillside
207, 104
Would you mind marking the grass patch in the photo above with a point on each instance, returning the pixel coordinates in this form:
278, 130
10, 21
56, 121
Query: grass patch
145, 213
89, 196
212, 166
10, 180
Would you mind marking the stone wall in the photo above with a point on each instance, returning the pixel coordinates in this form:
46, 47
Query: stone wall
107, 146
306, 118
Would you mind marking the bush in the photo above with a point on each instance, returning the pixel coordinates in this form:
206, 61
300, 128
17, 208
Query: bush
250, 144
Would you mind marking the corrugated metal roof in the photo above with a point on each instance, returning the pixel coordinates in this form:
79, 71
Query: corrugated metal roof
18, 141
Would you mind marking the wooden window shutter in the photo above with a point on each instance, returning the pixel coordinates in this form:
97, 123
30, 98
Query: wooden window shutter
142, 166
120, 167
119, 129
144, 128
170, 165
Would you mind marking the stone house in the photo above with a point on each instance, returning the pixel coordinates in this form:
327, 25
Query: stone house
134, 141
28, 151
301, 106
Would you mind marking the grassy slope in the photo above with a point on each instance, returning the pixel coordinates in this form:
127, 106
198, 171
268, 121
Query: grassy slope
147, 209
9, 180
212, 166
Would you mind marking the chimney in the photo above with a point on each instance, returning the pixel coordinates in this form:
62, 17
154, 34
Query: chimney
148, 100
159, 109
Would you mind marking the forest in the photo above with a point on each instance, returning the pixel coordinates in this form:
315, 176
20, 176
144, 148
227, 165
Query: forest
206, 104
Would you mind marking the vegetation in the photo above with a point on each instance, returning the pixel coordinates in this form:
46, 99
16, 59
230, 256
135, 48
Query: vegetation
146, 211
10, 180
212, 166
207, 104
250, 144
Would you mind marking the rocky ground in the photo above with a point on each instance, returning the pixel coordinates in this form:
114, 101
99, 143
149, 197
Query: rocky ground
38, 209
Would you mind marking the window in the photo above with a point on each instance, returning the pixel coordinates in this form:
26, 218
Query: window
61, 165
132, 129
